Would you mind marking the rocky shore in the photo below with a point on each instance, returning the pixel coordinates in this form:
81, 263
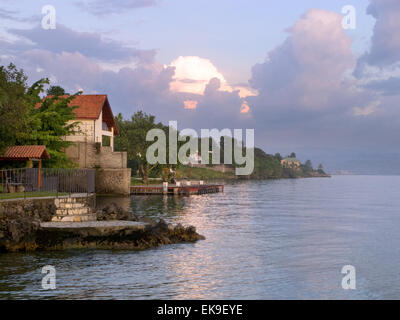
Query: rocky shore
27, 227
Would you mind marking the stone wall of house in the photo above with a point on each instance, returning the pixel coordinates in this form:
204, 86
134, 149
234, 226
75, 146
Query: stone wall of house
113, 181
84, 131
90, 155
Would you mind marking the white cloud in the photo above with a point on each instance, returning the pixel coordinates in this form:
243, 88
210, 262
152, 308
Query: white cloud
193, 73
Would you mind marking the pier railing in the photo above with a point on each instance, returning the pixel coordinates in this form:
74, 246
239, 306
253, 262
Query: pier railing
52, 182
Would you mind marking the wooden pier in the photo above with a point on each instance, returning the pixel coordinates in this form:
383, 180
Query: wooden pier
186, 190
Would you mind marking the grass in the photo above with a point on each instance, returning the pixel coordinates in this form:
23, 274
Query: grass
137, 181
203, 174
7, 196
190, 173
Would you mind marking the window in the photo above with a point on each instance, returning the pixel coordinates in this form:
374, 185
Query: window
105, 127
106, 141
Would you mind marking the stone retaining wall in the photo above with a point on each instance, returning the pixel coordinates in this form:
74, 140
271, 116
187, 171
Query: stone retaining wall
113, 181
41, 209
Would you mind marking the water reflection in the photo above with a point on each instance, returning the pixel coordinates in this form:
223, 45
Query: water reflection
123, 201
269, 239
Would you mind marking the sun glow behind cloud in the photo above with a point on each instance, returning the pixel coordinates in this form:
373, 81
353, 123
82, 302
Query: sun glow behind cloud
190, 104
245, 108
193, 73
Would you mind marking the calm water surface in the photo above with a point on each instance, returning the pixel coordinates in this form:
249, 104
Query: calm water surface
285, 239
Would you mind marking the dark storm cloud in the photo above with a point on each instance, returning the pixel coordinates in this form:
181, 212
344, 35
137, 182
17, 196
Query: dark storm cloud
388, 87
91, 45
305, 97
385, 42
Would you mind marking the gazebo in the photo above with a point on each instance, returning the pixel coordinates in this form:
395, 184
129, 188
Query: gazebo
25, 153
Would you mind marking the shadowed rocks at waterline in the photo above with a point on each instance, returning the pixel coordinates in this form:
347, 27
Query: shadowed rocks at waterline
24, 232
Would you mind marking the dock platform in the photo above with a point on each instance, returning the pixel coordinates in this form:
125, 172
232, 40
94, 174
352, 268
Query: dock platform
186, 190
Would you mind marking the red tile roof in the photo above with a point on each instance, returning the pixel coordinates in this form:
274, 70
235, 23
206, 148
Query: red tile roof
90, 107
25, 153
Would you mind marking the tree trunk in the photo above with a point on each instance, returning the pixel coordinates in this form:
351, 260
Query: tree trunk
144, 172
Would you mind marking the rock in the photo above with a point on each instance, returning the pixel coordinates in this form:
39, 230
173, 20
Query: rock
117, 229
114, 212
20, 189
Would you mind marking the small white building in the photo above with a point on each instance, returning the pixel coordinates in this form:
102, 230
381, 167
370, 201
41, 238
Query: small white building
195, 158
96, 120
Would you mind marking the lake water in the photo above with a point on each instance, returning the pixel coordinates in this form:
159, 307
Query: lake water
284, 239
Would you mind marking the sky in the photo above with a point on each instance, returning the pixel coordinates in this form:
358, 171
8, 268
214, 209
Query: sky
288, 69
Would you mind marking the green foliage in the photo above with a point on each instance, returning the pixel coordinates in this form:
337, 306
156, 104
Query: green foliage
202, 173
307, 168
266, 166
132, 139
14, 105
48, 125
278, 156
23, 124
56, 91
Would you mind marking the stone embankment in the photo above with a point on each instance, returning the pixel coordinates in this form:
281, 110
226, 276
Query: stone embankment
28, 225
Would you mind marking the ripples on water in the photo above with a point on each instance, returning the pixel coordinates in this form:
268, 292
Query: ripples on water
285, 239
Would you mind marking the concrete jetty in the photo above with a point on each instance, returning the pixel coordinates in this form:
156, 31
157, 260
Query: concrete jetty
172, 189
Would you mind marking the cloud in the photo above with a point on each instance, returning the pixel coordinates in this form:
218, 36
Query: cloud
193, 73
302, 94
7, 14
146, 86
368, 110
307, 96
106, 7
91, 45
307, 70
379, 68
245, 108
190, 104
385, 42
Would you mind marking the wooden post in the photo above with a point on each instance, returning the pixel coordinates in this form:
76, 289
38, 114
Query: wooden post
165, 187
40, 174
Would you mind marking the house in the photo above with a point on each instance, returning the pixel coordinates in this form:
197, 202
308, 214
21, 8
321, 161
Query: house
96, 120
195, 158
291, 163
93, 143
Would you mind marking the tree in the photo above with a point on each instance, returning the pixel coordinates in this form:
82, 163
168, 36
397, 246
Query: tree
132, 139
292, 155
48, 125
308, 164
266, 166
278, 156
321, 169
24, 124
56, 91
14, 105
